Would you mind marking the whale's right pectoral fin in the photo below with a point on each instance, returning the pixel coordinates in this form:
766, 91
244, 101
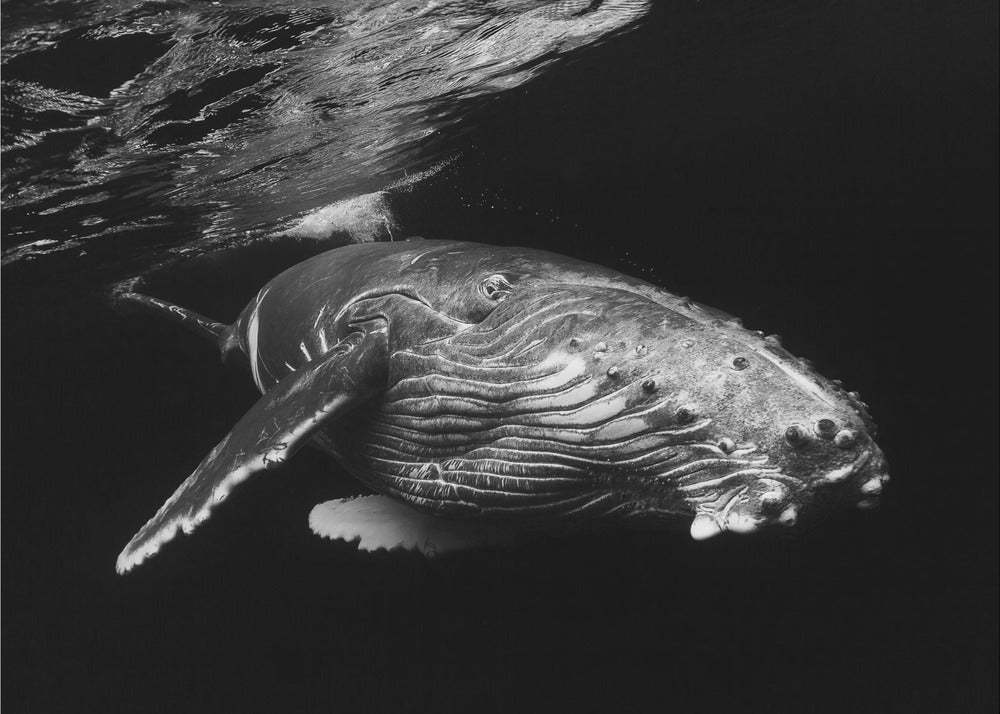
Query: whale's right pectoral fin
383, 523
275, 427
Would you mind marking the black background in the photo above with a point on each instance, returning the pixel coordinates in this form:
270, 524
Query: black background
829, 173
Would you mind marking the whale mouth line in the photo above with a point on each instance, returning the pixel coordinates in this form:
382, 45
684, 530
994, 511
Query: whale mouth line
742, 474
845, 473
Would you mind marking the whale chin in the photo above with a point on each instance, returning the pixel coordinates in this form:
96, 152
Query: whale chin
859, 484
775, 498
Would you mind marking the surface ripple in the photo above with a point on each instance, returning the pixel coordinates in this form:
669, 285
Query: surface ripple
242, 116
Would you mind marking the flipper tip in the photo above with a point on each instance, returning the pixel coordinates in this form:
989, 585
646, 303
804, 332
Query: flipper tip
138, 551
145, 545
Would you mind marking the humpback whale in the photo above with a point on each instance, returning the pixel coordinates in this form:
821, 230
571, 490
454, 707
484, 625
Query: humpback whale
480, 391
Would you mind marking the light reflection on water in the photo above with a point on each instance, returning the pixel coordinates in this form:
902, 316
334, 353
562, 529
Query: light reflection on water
121, 118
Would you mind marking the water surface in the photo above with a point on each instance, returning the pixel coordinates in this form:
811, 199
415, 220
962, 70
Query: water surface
222, 119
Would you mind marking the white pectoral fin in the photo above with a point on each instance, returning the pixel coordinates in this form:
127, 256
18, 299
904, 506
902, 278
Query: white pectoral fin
275, 427
380, 522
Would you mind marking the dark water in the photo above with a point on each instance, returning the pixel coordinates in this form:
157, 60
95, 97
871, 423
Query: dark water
827, 171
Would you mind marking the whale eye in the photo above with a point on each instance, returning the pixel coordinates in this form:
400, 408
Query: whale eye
740, 363
495, 287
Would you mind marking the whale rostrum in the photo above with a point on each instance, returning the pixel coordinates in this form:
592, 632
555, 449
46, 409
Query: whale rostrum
482, 392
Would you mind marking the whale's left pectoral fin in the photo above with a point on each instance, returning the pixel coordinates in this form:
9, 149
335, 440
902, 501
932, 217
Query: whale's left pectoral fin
383, 523
275, 427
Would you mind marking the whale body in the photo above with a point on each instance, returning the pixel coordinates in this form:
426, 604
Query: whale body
480, 390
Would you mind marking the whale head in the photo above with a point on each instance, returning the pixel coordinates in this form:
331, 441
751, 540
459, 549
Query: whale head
779, 444
660, 409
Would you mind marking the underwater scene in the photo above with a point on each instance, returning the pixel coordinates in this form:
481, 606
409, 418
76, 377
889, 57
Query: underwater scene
826, 172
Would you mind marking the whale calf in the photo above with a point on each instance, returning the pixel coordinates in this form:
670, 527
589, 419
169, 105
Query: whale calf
482, 390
